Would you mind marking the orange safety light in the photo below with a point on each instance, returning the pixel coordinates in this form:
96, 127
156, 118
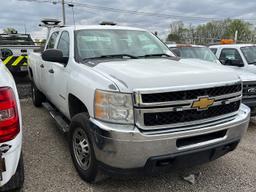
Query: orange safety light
227, 41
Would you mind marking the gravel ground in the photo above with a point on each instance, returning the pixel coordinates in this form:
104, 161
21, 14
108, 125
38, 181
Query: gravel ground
23, 86
48, 165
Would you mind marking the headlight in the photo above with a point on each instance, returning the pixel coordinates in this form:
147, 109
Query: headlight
113, 107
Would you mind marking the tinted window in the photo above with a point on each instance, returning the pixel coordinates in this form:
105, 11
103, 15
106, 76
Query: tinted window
64, 44
176, 51
250, 54
230, 54
95, 43
52, 40
202, 53
214, 50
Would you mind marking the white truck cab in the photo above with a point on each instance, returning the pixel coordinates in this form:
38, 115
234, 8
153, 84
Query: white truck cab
129, 106
11, 161
202, 54
241, 58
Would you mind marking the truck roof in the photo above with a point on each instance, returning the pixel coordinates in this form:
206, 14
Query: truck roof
184, 45
115, 27
15, 39
231, 45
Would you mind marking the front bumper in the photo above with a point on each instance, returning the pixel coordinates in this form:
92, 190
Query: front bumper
250, 102
126, 147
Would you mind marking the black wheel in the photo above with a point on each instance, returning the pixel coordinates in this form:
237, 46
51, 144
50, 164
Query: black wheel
37, 96
17, 180
81, 148
253, 111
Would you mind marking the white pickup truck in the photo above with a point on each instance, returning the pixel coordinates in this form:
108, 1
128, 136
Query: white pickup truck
129, 106
11, 161
241, 58
191, 53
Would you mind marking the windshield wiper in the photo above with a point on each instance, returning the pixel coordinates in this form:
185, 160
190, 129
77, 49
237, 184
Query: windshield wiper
156, 55
111, 56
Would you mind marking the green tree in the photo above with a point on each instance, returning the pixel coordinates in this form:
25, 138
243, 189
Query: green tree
178, 33
243, 28
173, 37
9, 30
212, 32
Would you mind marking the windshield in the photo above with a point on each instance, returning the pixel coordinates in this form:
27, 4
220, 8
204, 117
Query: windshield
249, 54
194, 52
102, 42
15, 39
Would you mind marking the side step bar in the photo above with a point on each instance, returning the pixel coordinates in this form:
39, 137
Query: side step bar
62, 123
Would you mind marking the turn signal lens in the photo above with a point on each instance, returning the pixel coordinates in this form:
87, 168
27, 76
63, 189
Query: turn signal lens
113, 107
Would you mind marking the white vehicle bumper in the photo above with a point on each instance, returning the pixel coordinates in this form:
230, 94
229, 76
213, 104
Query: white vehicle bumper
118, 147
11, 158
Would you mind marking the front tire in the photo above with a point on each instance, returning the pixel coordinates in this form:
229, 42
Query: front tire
37, 96
81, 148
17, 180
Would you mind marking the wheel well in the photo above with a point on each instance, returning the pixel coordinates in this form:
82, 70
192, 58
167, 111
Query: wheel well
75, 105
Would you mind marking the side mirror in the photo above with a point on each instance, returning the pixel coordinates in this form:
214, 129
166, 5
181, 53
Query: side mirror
54, 55
235, 62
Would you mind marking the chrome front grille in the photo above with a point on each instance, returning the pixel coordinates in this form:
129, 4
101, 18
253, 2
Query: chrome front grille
249, 89
174, 110
191, 94
163, 118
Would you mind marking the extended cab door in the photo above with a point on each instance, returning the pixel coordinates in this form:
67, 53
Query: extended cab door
59, 76
45, 66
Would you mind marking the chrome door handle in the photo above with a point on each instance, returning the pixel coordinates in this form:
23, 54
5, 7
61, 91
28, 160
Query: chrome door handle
51, 71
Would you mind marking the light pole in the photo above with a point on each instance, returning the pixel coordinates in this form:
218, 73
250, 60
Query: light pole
63, 12
72, 6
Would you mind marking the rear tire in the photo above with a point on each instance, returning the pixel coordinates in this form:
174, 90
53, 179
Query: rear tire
17, 180
253, 111
81, 148
37, 96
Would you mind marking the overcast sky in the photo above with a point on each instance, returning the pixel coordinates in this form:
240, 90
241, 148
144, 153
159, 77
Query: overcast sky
22, 14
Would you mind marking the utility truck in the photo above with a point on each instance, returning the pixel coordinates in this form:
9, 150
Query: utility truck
14, 50
241, 58
129, 106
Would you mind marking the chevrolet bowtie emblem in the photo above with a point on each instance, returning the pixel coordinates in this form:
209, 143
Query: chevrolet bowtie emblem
202, 103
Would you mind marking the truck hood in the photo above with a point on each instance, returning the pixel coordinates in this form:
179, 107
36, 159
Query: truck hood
157, 73
242, 72
244, 75
197, 61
